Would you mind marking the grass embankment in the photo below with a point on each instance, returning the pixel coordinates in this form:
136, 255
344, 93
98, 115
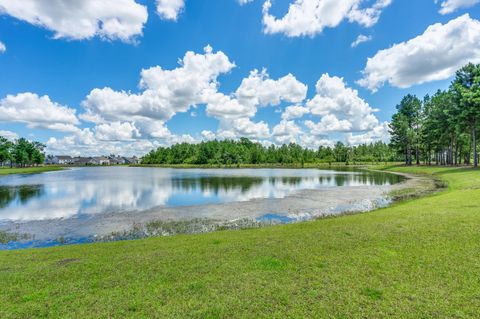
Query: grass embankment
29, 170
416, 259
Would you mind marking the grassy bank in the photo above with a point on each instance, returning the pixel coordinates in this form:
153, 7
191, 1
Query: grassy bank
28, 170
416, 259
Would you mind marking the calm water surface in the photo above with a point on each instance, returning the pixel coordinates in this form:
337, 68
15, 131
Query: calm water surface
83, 192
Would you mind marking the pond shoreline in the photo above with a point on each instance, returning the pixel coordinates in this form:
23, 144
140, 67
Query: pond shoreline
302, 206
414, 186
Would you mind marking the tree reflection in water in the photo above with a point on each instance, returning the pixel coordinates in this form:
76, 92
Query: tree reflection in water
90, 191
217, 184
21, 193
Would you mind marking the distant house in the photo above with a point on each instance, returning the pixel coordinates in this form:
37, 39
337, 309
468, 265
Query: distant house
99, 160
82, 160
117, 160
51, 160
132, 160
59, 160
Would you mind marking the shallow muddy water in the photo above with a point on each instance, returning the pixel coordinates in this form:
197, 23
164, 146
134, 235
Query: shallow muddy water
81, 204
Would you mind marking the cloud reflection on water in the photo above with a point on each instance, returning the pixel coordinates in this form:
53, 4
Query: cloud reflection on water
89, 191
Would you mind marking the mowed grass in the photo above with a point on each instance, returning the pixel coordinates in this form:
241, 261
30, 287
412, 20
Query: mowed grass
28, 170
417, 259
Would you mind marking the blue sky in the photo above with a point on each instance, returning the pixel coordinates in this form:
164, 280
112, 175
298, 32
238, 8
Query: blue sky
44, 60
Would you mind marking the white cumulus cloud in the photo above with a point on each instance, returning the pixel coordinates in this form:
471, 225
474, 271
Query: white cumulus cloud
117, 131
340, 107
244, 127
125, 122
3, 48
286, 132
165, 93
435, 55
109, 19
361, 39
9, 135
329, 123
170, 9
310, 17
260, 89
208, 135
257, 90
37, 112
449, 6
294, 112
85, 143
378, 133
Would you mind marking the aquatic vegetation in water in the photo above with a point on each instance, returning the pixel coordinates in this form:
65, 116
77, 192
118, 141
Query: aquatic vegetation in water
158, 228
423, 187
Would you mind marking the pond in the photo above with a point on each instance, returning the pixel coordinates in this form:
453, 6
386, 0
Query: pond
82, 203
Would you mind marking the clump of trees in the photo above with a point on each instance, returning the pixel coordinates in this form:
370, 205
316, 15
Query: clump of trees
442, 128
244, 151
21, 152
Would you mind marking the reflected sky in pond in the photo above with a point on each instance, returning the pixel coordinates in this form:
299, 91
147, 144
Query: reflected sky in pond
82, 192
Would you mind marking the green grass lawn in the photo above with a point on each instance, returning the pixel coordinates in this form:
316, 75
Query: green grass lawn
417, 259
28, 170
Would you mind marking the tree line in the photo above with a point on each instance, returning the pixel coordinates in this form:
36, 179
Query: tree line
21, 152
245, 151
442, 128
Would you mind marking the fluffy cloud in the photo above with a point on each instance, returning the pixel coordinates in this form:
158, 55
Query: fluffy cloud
259, 89
37, 112
117, 131
379, 133
340, 107
135, 122
329, 123
254, 91
85, 143
3, 48
208, 135
244, 127
313, 142
435, 55
294, 112
361, 39
170, 9
109, 19
224, 106
310, 17
81, 142
165, 93
449, 6
286, 132
9, 135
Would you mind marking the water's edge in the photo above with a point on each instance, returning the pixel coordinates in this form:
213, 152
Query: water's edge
256, 213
